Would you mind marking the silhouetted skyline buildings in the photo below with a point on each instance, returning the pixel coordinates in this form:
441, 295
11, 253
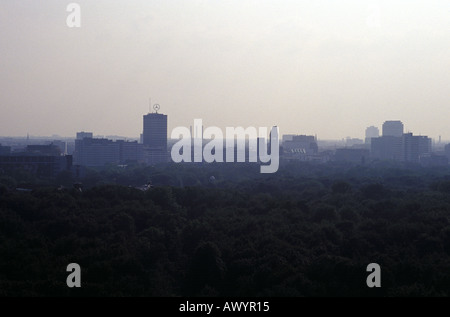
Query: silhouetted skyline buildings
90, 151
371, 132
45, 161
393, 128
96, 152
154, 138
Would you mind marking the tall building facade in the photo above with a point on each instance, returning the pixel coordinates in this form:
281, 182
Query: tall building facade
414, 146
82, 135
50, 149
45, 161
447, 150
96, 152
393, 128
371, 132
100, 152
386, 148
154, 138
299, 147
406, 148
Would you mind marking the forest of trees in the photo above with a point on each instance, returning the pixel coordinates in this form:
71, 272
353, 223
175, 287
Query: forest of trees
227, 230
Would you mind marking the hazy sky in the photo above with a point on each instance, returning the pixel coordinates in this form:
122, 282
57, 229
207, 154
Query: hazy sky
322, 67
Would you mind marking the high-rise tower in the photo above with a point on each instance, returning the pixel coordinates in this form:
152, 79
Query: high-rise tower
155, 137
393, 128
371, 132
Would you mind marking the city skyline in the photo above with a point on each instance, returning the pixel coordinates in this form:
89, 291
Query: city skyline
113, 136
316, 68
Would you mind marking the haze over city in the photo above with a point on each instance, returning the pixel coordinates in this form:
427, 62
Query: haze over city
326, 68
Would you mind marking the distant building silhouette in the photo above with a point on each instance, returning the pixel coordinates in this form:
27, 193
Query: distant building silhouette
447, 150
287, 137
386, 148
406, 148
47, 150
414, 146
371, 132
96, 152
82, 135
44, 161
130, 151
154, 138
393, 128
350, 142
62, 145
299, 147
100, 152
5, 150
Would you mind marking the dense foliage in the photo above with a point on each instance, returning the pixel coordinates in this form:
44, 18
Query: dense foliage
308, 230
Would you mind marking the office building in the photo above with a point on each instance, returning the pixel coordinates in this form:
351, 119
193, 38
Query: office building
62, 145
447, 150
407, 148
371, 132
95, 152
414, 146
82, 135
130, 151
44, 161
386, 148
353, 142
44, 150
393, 128
299, 147
155, 138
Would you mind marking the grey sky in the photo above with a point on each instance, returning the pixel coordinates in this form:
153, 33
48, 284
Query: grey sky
322, 67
